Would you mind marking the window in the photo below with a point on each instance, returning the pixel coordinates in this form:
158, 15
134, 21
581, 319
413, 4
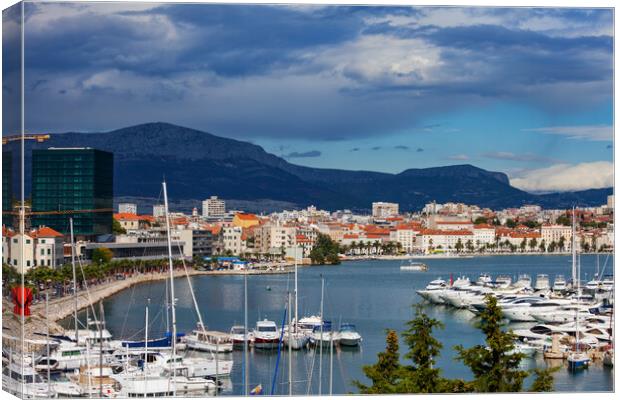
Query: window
42, 252
27, 241
27, 263
49, 252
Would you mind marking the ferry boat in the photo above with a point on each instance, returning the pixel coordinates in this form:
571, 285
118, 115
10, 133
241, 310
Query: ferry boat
414, 266
266, 335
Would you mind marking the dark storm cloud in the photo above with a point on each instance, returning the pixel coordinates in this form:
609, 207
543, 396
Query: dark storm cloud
247, 71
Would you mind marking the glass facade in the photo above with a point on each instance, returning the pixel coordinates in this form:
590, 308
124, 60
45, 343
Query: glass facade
73, 179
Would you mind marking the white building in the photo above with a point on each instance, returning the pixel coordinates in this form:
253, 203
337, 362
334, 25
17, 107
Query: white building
159, 210
483, 234
42, 247
49, 245
554, 233
447, 240
128, 208
381, 209
404, 236
233, 239
213, 207
272, 238
610, 201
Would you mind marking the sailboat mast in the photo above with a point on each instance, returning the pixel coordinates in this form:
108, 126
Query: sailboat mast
75, 296
290, 349
296, 304
321, 341
172, 298
146, 342
246, 359
574, 248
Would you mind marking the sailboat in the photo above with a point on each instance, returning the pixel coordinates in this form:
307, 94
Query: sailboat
577, 359
295, 338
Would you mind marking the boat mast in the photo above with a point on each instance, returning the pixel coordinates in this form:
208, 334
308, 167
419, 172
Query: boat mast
321, 341
246, 359
172, 298
296, 304
75, 296
100, 348
146, 342
290, 348
47, 340
574, 248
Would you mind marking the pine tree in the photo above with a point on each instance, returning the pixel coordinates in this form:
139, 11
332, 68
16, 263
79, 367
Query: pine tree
422, 377
544, 380
495, 366
385, 373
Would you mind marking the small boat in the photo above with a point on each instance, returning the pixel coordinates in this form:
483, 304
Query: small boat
296, 338
542, 282
266, 335
26, 383
594, 284
238, 335
212, 341
559, 284
414, 266
94, 380
348, 335
524, 281
503, 281
324, 335
607, 284
578, 360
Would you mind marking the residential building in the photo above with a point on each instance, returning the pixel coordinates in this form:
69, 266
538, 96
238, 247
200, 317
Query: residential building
434, 239
245, 220
405, 235
554, 233
213, 207
382, 209
159, 211
127, 208
66, 179
233, 240
128, 221
273, 238
48, 250
484, 234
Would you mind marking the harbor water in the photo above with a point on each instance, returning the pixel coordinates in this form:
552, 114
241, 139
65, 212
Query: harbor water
375, 295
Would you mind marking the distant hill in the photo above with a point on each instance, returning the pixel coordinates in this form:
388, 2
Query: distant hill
198, 164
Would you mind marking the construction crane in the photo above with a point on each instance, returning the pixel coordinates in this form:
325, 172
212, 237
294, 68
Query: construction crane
39, 137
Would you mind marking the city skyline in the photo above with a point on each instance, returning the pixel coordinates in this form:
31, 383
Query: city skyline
526, 91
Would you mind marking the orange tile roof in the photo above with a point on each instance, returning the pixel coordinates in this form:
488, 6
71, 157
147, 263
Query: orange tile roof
483, 226
126, 217
453, 222
247, 217
45, 231
350, 236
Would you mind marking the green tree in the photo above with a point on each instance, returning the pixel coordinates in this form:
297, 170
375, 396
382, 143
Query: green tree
385, 374
458, 246
511, 223
542, 246
102, 255
424, 348
544, 380
533, 243
325, 250
523, 244
117, 229
495, 366
480, 220
563, 220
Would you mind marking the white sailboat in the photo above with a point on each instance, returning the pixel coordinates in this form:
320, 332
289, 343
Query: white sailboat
295, 338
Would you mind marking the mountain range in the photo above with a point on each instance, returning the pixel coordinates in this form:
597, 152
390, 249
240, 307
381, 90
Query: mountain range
198, 164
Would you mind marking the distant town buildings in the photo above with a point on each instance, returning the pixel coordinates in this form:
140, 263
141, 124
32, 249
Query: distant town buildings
383, 210
159, 211
213, 207
127, 208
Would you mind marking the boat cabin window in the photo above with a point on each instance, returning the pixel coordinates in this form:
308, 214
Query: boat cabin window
267, 329
70, 353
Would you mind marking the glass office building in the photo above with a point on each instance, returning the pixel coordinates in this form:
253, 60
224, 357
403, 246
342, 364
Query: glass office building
73, 179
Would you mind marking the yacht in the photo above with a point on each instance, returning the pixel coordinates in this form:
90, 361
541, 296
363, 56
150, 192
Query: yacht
95, 380
607, 284
324, 335
24, 382
523, 282
559, 284
437, 284
266, 335
561, 314
525, 313
542, 282
414, 266
348, 335
296, 338
484, 279
503, 281
212, 341
67, 356
520, 309
307, 324
238, 335
140, 385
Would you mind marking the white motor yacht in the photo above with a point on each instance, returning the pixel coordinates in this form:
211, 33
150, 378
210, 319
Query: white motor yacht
211, 341
520, 309
559, 283
435, 285
238, 336
523, 282
24, 382
542, 282
348, 335
324, 336
266, 335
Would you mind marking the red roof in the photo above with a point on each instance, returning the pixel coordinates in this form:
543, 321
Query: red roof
6, 232
247, 217
126, 217
45, 231
453, 222
350, 236
483, 226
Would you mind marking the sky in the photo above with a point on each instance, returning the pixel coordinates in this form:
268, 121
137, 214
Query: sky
525, 91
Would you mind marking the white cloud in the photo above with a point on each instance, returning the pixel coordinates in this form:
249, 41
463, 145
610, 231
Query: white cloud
566, 177
588, 132
459, 157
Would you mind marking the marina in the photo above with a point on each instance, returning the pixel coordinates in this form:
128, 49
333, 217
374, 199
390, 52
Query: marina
354, 294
